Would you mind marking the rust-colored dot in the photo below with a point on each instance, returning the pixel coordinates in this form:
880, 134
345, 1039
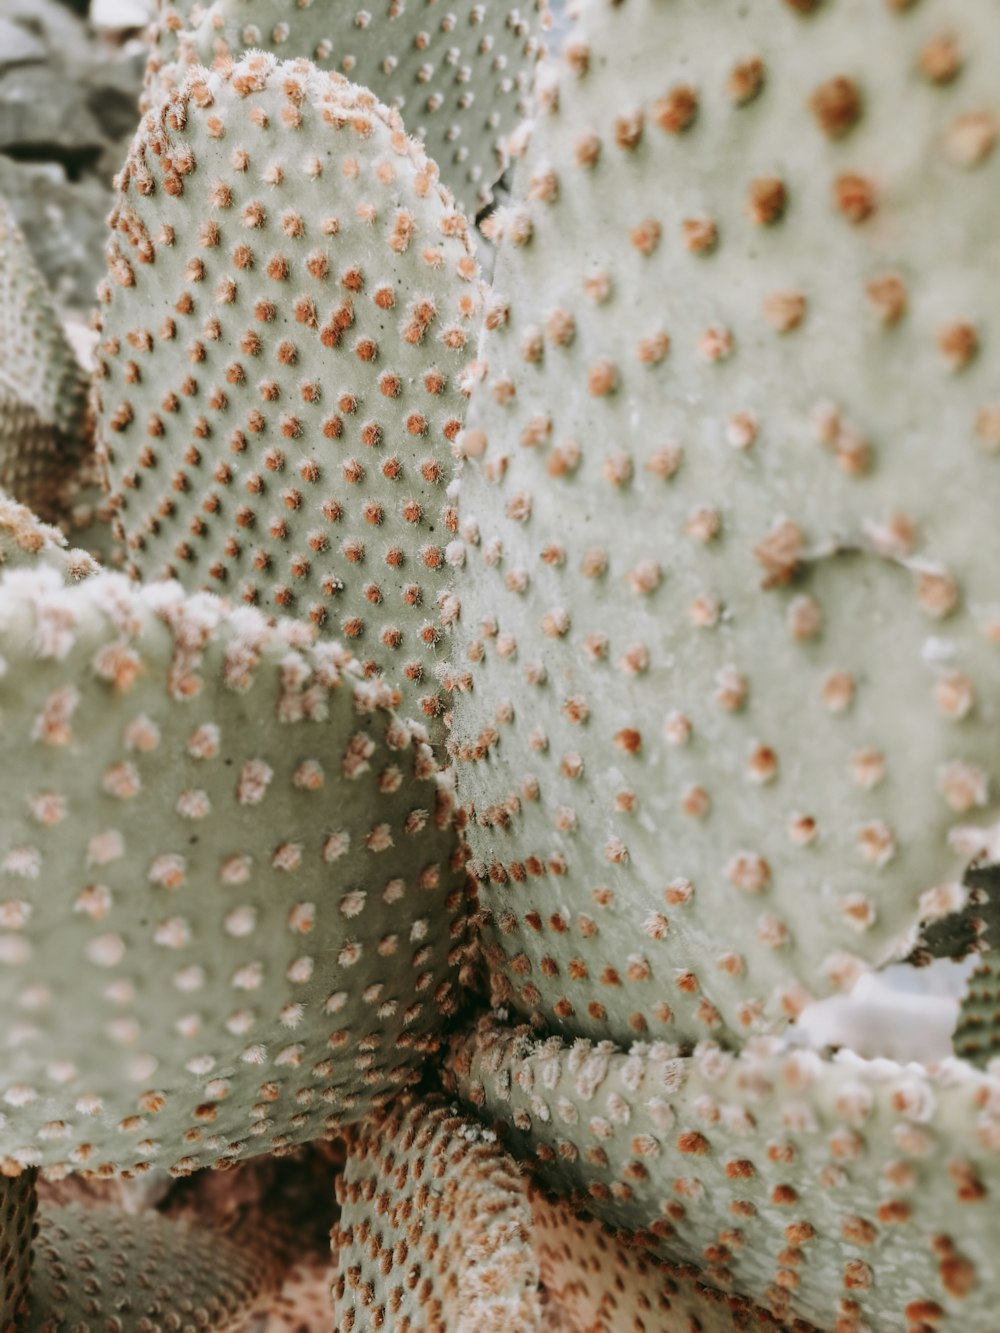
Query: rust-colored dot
785, 311
971, 138
602, 379
887, 296
694, 1143
954, 695
767, 200
676, 110
857, 1275
958, 343
645, 236
940, 59
745, 80
922, 1312
937, 593
628, 130
854, 196
836, 104
628, 740
700, 235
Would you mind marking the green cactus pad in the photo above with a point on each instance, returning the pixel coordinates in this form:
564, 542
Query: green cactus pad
100, 1268
25, 541
290, 307
230, 918
435, 1228
595, 1280
18, 1203
977, 1036
846, 1190
459, 76
727, 713
42, 388
169, 41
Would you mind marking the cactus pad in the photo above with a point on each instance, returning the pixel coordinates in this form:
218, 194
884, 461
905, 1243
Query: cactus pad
977, 1036
435, 1228
100, 1268
228, 910
290, 306
42, 388
849, 1190
596, 1280
726, 714
459, 76
18, 1204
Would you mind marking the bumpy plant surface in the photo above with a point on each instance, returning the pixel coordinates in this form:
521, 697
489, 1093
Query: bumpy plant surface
490, 711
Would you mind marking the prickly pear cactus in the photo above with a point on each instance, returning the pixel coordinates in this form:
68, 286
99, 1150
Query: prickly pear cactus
25, 542
726, 714
598, 1281
435, 1229
101, 1268
230, 918
43, 430
168, 39
848, 1193
460, 76
977, 1035
291, 304
18, 1204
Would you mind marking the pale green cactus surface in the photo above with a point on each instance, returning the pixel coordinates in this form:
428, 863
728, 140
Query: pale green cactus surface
851, 1193
726, 712
213, 944
520, 699
290, 306
460, 75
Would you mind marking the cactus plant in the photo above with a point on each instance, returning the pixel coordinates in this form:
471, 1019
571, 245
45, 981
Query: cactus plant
800, 1183
460, 77
977, 1035
43, 437
101, 1268
18, 1204
196, 941
713, 578
447, 1245
708, 638
290, 307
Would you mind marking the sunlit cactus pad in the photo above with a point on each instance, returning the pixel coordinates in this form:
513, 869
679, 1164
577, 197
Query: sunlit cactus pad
290, 305
726, 705
230, 919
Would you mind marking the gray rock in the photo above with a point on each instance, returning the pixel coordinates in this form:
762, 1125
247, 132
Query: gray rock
18, 46
43, 113
63, 222
63, 33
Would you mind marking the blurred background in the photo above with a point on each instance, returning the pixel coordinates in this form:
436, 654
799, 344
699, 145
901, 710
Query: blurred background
70, 75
